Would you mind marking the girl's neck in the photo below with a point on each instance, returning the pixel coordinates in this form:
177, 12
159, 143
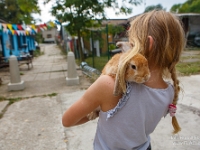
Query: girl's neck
156, 80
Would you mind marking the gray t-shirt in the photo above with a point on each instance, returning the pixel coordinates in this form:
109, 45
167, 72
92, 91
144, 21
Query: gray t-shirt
129, 124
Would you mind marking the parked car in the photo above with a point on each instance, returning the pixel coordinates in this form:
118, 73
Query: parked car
197, 39
194, 39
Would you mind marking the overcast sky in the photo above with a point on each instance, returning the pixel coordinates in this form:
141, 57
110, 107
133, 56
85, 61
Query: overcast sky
45, 15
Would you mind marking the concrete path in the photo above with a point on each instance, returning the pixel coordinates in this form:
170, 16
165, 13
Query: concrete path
34, 123
188, 115
47, 76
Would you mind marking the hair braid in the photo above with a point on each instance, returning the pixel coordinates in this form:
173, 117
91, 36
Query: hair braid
165, 52
176, 92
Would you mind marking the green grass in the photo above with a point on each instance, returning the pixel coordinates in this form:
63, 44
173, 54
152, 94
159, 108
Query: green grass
189, 68
52, 94
37, 53
2, 98
98, 63
185, 68
12, 100
188, 48
190, 57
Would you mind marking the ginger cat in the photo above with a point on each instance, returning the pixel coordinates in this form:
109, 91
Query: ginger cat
136, 71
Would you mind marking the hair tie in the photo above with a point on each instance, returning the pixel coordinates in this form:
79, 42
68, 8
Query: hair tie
172, 110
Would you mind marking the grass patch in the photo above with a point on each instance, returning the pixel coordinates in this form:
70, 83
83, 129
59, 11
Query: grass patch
188, 48
184, 67
37, 53
96, 62
2, 98
189, 68
13, 100
52, 94
190, 57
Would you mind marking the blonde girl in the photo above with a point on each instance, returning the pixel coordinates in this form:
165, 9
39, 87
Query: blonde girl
164, 33
126, 121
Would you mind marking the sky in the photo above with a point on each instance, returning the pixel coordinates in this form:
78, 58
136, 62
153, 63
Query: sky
46, 16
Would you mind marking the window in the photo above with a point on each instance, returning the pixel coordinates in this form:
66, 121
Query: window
1, 47
11, 45
49, 36
19, 41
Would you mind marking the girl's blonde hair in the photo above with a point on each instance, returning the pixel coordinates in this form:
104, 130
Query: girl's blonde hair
169, 41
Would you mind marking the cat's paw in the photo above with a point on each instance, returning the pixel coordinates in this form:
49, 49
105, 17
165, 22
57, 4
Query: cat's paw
94, 114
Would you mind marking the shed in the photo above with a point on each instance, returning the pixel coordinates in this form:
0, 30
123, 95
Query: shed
191, 23
16, 40
49, 35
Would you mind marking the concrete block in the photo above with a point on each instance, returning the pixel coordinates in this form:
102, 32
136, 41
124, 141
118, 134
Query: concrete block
72, 81
15, 79
14, 70
72, 77
16, 86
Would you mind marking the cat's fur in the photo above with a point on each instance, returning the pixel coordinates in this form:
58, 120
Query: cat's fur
136, 71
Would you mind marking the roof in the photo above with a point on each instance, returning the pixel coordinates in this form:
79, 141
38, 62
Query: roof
114, 21
187, 14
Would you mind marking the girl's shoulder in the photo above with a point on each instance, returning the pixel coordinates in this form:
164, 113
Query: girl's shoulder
104, 87
106, 80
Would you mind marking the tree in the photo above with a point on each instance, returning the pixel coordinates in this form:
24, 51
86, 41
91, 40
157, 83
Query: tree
190, 6
154, 7
16, 11
83, 14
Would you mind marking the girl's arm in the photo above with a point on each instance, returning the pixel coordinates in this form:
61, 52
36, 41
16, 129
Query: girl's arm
100, 93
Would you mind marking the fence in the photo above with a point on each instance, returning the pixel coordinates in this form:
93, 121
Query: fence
89, 71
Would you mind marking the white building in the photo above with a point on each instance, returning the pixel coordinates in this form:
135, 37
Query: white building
49, 35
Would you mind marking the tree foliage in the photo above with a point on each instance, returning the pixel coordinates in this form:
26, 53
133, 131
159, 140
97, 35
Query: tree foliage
81, 14
190, 6
84, 14
154, 7
16, 11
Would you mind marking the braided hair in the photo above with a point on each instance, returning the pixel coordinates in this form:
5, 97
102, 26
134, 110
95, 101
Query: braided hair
169, 41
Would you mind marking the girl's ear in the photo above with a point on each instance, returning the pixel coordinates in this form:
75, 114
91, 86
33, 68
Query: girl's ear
151, 42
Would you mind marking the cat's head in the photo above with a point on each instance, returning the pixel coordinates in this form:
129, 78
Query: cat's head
137, 69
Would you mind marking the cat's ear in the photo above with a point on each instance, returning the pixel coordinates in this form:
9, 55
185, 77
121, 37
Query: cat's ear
119, 87
124, 46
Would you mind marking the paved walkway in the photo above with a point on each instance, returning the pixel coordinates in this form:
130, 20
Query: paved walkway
35, 122
47, 76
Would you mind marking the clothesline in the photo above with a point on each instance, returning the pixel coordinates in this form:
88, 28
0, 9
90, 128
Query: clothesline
23, 29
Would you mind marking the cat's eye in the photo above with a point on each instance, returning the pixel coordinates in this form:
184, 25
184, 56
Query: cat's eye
133, 67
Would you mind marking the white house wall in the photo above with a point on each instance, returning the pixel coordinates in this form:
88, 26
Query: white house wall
50, 35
